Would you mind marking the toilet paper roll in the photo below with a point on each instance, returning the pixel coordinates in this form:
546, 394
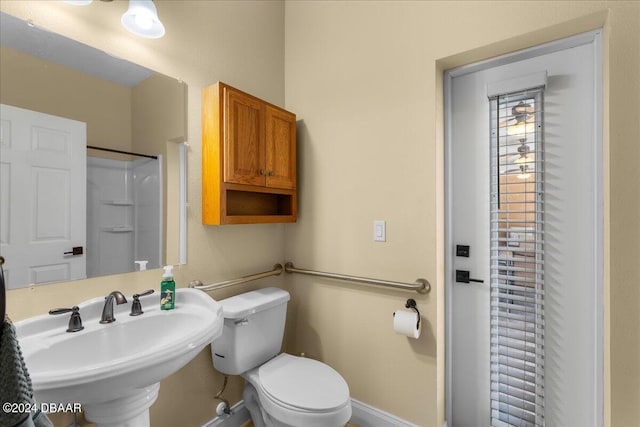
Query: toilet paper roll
406, 323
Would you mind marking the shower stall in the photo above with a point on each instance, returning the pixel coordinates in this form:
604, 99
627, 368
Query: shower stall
124, 214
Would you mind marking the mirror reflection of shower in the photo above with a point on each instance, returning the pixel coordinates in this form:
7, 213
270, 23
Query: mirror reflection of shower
124, 214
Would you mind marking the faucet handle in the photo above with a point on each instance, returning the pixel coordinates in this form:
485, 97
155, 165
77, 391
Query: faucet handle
75, 322
143, 294
136, 307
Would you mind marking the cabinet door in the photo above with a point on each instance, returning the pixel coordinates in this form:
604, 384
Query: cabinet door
244, 156
281, 148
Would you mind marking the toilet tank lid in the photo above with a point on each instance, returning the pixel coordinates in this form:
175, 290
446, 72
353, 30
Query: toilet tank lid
246, 304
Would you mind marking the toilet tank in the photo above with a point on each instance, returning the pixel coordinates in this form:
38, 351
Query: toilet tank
252, 332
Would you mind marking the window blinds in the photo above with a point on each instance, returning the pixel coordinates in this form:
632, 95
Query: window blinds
517, 259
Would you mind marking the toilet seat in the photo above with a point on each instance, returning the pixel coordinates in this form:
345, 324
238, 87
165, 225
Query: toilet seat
286, 379
299, 391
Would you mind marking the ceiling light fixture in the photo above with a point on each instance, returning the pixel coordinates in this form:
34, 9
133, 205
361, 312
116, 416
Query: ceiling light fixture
525, 153
142, 19
521, 121
524, 172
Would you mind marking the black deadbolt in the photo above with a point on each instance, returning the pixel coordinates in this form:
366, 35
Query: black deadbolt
462, 250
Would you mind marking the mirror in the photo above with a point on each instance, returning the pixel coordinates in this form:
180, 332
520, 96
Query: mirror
69, 211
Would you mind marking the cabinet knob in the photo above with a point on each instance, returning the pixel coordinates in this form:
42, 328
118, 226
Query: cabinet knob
263, 172
271, 173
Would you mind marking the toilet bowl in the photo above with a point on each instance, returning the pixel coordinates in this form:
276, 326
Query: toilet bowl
295, 391
280, 390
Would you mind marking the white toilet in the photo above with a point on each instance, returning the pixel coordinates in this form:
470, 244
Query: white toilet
280, 390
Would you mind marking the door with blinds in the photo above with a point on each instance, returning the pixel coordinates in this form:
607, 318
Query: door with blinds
524, 238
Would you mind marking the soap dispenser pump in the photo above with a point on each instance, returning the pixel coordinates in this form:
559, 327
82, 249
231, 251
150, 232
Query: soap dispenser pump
167, 289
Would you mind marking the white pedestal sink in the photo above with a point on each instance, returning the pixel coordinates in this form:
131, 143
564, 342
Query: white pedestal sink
114, 370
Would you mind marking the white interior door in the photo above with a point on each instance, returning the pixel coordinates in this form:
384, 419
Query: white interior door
572, 240
43, 196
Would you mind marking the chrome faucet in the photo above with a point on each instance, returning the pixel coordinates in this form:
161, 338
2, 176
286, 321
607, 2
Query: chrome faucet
107, 311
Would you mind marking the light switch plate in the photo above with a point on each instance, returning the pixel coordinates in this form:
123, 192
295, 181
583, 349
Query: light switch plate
379, 231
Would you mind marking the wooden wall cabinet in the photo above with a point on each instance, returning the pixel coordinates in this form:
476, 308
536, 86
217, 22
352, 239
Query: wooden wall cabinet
248, 159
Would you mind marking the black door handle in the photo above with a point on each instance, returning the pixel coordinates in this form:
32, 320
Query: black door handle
463, 276
76, 250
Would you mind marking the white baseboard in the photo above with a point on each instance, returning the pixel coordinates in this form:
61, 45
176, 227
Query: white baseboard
367, 416
363, 415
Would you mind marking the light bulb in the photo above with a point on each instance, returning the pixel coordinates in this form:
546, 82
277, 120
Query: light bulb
144, 20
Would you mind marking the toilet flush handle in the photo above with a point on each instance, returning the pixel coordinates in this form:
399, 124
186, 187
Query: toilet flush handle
242, 322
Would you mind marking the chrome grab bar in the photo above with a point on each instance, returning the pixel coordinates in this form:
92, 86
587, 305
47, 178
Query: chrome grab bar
277, 270
420, 285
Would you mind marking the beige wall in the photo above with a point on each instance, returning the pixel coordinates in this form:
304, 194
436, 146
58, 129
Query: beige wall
363, 78
241, 43
365, 81
36, 84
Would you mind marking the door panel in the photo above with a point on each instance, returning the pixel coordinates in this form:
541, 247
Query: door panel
573, 379
244, 145
43, 196
281, 149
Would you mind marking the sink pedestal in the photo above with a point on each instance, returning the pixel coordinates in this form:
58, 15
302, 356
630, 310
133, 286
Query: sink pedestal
131, 410
114, 370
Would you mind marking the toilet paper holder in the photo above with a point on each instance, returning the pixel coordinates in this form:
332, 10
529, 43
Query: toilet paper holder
411, 303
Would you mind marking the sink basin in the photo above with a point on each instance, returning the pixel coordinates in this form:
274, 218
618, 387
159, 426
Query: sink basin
114, 369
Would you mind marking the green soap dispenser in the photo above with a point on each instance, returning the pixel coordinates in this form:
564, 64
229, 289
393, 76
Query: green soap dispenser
167, 289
